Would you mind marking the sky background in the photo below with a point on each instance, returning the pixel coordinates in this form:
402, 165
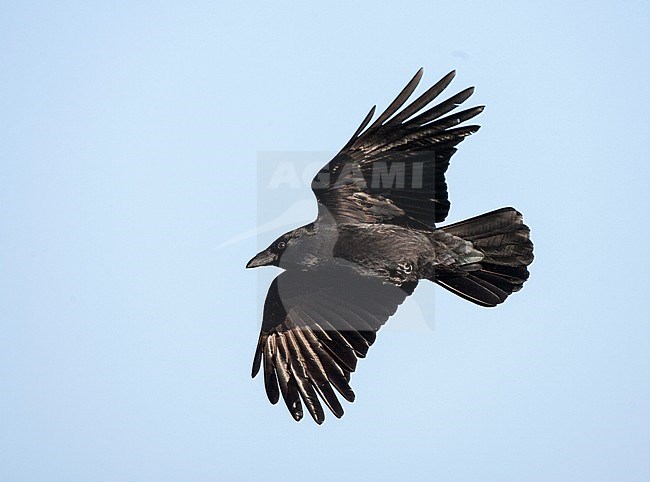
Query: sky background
132, 187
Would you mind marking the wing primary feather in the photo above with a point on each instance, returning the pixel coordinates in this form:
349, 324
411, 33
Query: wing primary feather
337, 376
317, 373
457, 118
305, 388
257, 360
288, 385
422, 101
442, 108
430, 137
398, 102
334, 342
270, 380
361, 127
453, 136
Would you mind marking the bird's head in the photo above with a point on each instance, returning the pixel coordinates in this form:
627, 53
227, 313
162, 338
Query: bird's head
272, 255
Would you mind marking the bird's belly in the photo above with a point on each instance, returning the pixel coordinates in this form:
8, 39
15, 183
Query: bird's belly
393, 253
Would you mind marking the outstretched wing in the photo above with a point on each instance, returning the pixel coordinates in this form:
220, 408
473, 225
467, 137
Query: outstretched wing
316, 325
394, 171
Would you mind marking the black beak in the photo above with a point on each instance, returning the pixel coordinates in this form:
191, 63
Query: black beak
265, 258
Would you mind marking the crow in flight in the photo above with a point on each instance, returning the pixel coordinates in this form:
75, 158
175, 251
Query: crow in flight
374, 238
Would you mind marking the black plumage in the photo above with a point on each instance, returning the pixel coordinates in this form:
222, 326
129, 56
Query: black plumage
374, 239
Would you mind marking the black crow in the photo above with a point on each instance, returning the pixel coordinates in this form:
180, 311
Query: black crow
374, 238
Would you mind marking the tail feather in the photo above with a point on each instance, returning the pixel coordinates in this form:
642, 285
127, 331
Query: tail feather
504, 240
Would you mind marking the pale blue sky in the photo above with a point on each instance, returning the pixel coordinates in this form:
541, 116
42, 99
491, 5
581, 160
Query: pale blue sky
132, 138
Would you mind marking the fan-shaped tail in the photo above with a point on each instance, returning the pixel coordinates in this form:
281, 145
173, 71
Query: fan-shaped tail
504, 240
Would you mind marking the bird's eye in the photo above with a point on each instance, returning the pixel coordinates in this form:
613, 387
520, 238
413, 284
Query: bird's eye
282, 245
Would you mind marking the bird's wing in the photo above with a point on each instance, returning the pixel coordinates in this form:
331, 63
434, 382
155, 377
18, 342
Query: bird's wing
315, 326
394, 170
